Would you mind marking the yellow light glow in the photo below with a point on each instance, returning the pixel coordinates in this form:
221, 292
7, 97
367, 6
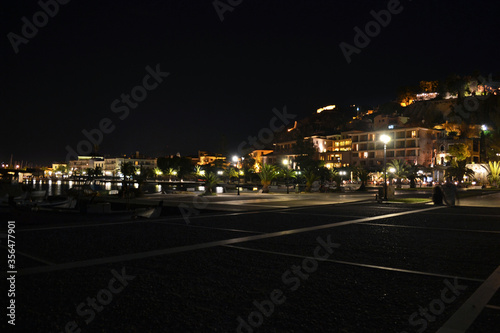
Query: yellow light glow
385, 138
329, 107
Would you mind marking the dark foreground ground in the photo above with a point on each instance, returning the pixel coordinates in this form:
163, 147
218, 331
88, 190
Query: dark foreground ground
396, 268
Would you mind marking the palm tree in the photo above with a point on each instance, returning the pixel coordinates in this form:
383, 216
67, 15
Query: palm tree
287, 174
458, 170
171, 172
128, 171
310, 176
335, 176
198, 171
494, 173
157, 171
230, 173
267, 174
400, 170
211, 180
362, 174
413, 174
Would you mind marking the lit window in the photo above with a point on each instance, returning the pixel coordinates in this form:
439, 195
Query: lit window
365, 154
413, 134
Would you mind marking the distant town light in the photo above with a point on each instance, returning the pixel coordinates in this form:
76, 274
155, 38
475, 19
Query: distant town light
484, 127
329, 107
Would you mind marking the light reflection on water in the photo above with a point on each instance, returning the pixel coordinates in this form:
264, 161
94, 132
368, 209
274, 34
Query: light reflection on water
60, 187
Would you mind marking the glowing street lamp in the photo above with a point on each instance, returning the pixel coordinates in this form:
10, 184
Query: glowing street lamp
285, 163
235, 160
385, 139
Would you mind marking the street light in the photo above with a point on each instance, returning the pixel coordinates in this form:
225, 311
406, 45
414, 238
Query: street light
235, 160
385, 139
285, 163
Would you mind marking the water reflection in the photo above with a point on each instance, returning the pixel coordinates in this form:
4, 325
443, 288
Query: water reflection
60, 187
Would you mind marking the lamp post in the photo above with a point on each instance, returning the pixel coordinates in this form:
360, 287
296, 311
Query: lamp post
235, 160
285, 162
385, 139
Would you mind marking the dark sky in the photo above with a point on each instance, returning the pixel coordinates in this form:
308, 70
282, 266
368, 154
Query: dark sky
225, 77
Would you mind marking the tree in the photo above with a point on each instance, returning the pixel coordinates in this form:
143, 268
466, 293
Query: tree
157, 171
458, 170
62, 169
182, 165
211, 180
429, 86
401, 169
459, 153
362, 174
334, 175
413, 174
171, 172
306, 152
230, 173
267, 174
494, 173
310, 176
128, 171
247, 167
288, 174
142, 174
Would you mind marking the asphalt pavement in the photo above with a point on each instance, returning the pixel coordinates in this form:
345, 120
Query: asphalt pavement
281, 263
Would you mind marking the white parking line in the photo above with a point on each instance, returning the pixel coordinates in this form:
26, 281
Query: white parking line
494, 307
186, 248
205, 227
326, 215
31, 257
400, 270
430, 228
468, 312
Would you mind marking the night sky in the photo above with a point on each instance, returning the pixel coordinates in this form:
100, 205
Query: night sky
225, 77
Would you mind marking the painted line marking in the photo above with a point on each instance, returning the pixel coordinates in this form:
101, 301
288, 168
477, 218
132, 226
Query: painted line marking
468, 312
400, 270
475, 215
180, 249
205, 227
327, 215
494, 307
31, 257
79, 226
430, 228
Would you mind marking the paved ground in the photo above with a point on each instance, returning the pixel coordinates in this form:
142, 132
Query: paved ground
339, 263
